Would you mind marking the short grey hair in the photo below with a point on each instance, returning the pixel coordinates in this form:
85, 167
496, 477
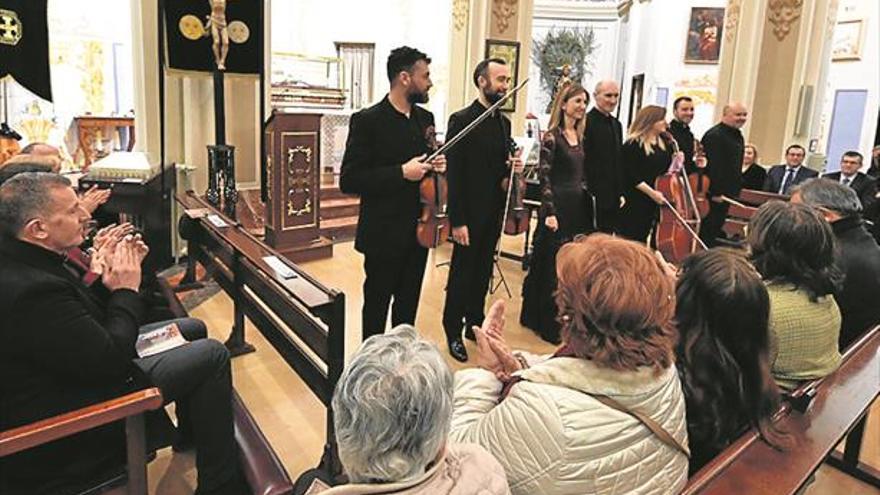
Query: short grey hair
392, 407
831, 195
24, 197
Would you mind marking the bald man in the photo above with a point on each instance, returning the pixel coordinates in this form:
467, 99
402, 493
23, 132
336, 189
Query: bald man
724, 146
602, 140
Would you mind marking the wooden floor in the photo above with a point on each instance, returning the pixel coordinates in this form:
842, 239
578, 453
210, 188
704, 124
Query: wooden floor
293, 419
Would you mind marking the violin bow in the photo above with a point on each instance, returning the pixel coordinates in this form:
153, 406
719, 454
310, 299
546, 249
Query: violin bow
470, 127
684, 224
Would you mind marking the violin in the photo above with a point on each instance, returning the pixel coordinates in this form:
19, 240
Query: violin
516, 216
433, 226
699, 182
676, 234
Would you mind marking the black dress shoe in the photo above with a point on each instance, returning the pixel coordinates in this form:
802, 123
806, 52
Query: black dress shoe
457, 350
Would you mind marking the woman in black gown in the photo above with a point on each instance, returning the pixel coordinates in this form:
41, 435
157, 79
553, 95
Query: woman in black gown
753, 174
645, 155
566, 209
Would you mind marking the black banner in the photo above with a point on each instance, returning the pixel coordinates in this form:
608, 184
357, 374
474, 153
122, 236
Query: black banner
24, 45
189, 36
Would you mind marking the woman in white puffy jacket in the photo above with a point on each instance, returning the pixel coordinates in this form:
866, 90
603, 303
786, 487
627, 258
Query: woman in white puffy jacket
605, 414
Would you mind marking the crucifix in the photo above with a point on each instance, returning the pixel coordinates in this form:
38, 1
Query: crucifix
221, 157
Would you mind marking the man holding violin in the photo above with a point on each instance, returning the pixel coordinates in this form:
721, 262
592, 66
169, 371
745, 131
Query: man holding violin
477, 168
383, 164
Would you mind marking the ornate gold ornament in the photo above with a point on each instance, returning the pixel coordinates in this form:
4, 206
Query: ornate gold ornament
10, 27
503, 10
459, 13
782, 14
191, 27
299, 193
238, 32
731, 19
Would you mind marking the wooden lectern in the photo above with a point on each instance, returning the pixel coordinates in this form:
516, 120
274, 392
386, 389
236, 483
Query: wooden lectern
293, 151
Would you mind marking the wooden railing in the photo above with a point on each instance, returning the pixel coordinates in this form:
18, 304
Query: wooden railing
832, 407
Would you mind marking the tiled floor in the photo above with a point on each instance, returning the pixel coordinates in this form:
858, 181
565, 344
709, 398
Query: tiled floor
293, 419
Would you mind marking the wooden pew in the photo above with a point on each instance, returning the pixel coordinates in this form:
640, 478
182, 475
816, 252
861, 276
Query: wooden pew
302, 319
756, 198
735, 226
840, 403
130, 407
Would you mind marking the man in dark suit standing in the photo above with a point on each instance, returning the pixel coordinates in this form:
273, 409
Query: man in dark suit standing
724, 146
65, 345
781, 178
383, 165
602, 141
864, 185
680, 128
477, 165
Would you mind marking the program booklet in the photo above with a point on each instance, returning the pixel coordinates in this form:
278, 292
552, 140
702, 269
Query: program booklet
159, 340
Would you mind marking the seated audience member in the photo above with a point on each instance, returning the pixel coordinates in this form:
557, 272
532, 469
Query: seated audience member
857, 256
392, 411
64, 346
874, 169
864, 185
753, 174
51, 161
90, 199
722, 312
792, 247
566, 425
781, 178
19, 167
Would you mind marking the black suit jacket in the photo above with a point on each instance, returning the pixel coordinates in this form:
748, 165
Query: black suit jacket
724, 147
475, 169
866, 188
777, 172
603, 138
61, 348
859, 258
380, 140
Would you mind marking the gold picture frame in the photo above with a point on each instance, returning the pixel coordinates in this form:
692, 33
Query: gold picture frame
846, 43
509, 52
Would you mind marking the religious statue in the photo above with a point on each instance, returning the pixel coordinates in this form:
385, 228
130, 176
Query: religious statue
219, 32
564, 77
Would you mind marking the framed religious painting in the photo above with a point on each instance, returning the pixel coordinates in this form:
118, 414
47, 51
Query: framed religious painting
509, 52
705, 27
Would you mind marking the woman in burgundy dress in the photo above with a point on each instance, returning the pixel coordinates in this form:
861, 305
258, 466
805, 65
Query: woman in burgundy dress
566, 209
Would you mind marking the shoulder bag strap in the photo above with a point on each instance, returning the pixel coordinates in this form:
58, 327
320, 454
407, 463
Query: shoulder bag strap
652, 425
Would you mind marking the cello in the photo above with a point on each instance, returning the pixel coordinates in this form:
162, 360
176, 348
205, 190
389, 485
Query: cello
433, 226
676, 235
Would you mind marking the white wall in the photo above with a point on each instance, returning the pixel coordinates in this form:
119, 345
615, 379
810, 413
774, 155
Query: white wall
311, 27
657, 35
856, 74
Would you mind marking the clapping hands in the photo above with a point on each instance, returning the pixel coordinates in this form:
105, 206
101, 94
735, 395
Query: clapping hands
493, 354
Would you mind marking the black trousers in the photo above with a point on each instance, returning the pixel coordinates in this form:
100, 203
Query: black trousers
713, 224
468, 281
198, 378
398, 277
606, 219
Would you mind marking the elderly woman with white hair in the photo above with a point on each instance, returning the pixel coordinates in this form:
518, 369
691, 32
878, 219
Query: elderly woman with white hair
392, 412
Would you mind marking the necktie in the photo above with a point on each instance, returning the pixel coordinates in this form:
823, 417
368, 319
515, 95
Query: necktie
786, 181
846, 181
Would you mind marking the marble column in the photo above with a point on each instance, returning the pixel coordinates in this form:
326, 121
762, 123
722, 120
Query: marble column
775, 57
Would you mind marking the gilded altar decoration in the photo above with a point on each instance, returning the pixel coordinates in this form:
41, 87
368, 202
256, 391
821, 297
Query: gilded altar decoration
239, 32
459, 13
731, 20
10, 27
299, 185
503, 11
191, 27
782, 14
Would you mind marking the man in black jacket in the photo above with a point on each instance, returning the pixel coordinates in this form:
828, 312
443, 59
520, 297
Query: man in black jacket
781, 178
383, 165
64, 346
680, 128
477, 165
864, 185
858, 255
602, 140
724, 147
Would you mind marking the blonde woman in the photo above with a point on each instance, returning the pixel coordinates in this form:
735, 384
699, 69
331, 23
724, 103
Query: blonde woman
645, 155
753, 174
566, 209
